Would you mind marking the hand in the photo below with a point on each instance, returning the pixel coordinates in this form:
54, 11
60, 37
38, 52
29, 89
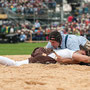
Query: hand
44, 54
58, 58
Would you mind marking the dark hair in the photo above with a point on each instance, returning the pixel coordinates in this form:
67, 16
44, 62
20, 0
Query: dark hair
55, 36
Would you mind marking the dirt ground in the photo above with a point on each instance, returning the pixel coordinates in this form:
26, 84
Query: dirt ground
44, 77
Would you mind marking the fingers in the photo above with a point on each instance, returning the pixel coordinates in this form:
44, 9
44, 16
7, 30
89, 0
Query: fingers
59, 57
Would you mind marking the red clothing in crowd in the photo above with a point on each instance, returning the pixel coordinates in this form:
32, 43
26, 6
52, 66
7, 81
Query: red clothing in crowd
70, 18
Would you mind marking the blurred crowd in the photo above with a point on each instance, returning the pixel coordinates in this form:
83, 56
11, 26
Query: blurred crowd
74, 25
29, 6
78, 24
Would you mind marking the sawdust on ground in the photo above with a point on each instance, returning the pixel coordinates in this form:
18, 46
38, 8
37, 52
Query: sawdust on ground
44, 77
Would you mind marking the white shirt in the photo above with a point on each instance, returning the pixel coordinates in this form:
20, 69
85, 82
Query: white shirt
73, 42
64, 53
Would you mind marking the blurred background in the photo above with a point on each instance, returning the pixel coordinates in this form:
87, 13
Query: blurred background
33, 20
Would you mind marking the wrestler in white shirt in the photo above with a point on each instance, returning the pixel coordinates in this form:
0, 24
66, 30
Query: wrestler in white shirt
62, 56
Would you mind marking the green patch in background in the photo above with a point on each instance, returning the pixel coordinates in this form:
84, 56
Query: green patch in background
19, 48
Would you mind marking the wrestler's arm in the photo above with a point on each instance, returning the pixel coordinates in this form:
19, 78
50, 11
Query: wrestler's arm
81, 52
76, 58
81, 58
66, 61
61, 60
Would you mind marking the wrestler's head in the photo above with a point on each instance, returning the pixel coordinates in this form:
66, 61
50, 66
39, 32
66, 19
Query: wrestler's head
55, 38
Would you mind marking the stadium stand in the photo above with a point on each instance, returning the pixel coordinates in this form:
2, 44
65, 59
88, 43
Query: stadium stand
21, 16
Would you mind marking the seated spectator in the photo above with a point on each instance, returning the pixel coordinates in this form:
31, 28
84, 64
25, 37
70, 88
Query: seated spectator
3, 29
40, 11
14, 9
85, 9
31, 10
37, 25
12, 29
22, 37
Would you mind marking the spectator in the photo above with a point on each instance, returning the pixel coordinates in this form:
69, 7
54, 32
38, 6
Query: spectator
37, 25
70, 18
3, 29
22, 37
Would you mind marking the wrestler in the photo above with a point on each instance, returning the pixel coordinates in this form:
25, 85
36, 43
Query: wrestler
44, 56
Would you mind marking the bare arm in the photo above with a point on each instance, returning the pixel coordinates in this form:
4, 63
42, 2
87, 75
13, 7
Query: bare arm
61, 60
81, 52
81, 58
76, 58
66, 61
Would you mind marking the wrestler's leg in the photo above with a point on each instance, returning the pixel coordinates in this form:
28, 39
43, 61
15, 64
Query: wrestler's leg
7, 61
81, 58
19, 63
10, 62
